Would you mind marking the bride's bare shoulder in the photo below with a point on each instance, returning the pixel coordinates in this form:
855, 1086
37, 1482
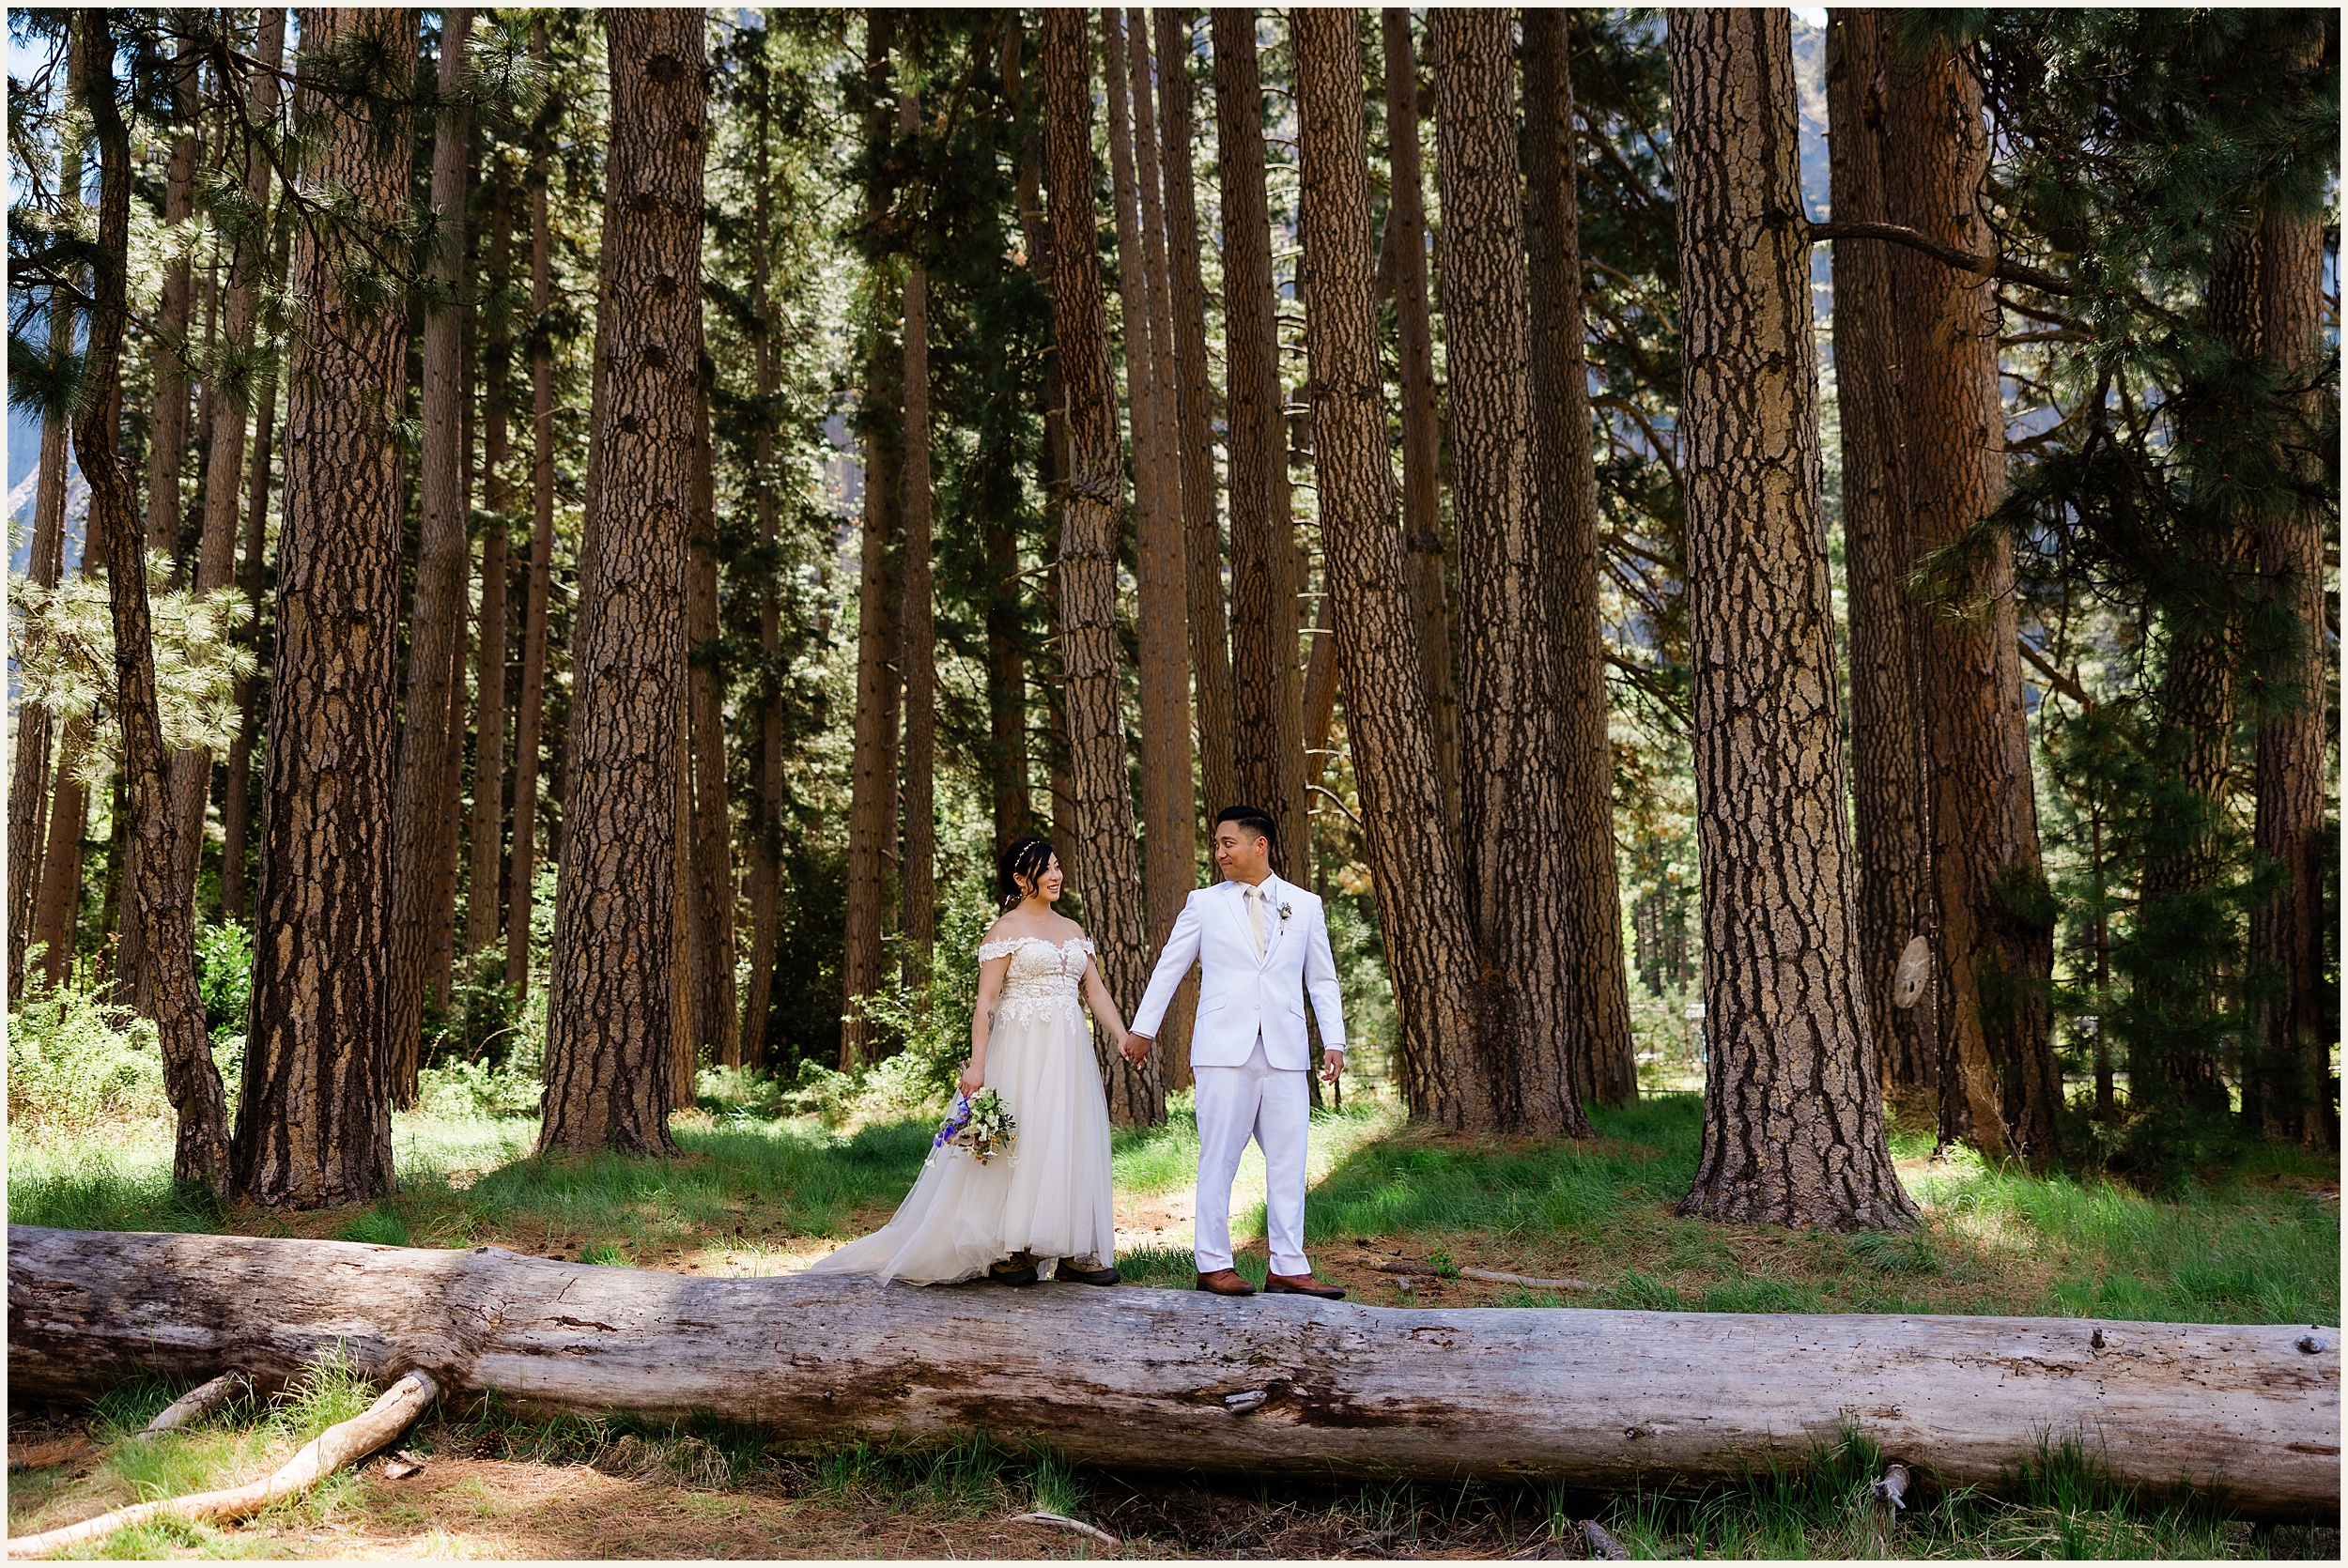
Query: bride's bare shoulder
1004, 930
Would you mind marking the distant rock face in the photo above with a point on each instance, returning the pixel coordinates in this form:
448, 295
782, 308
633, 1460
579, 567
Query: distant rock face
20, 515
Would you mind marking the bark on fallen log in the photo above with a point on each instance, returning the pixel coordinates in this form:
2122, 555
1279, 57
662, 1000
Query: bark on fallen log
325, 1453
1158, 1379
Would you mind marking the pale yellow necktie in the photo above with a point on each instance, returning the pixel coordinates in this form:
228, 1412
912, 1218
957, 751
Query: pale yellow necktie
1254, 916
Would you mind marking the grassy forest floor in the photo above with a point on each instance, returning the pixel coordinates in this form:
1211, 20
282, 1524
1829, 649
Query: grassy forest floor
759, 1193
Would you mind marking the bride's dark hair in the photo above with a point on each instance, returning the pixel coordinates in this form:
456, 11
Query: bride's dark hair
1027, 858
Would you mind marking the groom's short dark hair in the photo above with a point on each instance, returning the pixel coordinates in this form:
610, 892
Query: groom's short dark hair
1254, 819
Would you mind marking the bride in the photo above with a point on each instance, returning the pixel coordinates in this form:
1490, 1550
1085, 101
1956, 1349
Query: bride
1050, 1197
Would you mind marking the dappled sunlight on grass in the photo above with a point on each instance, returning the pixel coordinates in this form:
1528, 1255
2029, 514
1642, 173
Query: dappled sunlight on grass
762, 1195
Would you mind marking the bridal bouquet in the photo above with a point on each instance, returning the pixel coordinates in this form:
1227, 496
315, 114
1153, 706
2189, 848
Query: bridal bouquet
981, 1123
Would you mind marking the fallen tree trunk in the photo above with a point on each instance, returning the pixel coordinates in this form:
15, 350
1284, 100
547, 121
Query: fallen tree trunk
321, 1457
1157, 1380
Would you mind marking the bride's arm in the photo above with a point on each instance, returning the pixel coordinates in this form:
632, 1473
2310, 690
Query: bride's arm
990, 974
1104, 1004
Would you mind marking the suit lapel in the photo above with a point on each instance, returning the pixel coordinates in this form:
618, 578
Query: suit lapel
1270, 888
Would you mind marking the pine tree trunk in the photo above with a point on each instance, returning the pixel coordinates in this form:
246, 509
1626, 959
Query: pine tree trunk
449, 836
1097, 842
165, 920
871, 816
436, 626
166, 449
314, 1119
1996, 954
1896, 901
610, 1026
235, 805
29, 778
1422, 533
167, 429
1268, 705
1423, 912
1793, 1123
1169, 840
529, 711
1194, 440
1007, 673
717, 1020
2290, 1048
485, 838
224, 465
767, 826
33, 834
1513, 808
918, 655
1596, 995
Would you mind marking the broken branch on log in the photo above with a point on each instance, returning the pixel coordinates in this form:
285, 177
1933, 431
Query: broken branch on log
329, 1451
1139, 1378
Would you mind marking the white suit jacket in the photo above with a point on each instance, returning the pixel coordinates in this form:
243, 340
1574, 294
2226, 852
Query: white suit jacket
1240, 994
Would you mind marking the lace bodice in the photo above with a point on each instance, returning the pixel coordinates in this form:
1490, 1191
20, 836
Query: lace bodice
1044, 978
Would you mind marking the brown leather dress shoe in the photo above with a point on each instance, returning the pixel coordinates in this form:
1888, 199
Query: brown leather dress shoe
1226, 1282
1301, 1285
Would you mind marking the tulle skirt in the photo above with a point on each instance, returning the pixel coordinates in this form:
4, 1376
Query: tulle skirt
1050, 1196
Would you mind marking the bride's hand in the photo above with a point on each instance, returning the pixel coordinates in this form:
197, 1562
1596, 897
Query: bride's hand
973, 1079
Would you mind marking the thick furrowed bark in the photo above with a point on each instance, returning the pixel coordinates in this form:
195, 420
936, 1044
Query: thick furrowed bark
1096, 844
1793, 1130
1140, 1378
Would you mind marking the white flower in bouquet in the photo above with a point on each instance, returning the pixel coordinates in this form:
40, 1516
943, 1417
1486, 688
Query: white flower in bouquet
981, 1124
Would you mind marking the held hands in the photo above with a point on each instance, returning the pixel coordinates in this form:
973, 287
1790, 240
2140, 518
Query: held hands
1332, 1063
1135, 1049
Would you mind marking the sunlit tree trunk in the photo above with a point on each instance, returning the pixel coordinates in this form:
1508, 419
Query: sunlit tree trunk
529, 708
1268, 707
1414, 343
1895, 901
163, 919
1424, 916
1996, 950
611, 1025
1097, 843
314, 1119
1793, 1116
1512, 811
2292, 1053
1169, 842
1594, 995
229, 405
1194, 440
436, 626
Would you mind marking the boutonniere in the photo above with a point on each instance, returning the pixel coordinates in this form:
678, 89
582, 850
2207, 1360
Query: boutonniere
1285, 911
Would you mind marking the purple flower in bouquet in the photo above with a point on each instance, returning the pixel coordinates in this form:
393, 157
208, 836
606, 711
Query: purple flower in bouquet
955, 1123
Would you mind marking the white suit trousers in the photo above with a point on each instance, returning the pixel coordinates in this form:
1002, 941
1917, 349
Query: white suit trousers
1274, 1108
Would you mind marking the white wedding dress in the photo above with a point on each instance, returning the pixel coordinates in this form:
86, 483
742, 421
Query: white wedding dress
1050, 1196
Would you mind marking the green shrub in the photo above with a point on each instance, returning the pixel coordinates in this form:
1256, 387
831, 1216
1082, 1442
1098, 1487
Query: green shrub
76, 1061
223, 973
929, 1024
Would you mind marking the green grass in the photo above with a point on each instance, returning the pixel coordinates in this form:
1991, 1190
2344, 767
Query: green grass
2253, 1246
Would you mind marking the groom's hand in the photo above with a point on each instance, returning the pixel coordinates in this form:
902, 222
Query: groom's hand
1135, 1049
1332, 1063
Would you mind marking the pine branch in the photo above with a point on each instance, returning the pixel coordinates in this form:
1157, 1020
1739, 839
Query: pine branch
1948, 255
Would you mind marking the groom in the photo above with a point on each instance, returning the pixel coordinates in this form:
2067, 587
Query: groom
1259, 945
